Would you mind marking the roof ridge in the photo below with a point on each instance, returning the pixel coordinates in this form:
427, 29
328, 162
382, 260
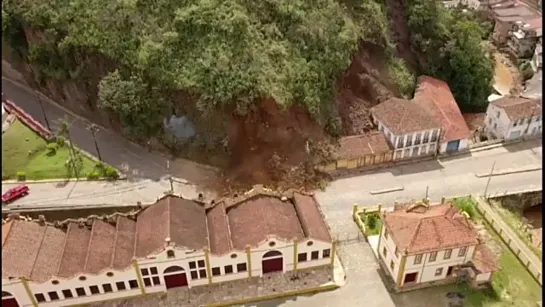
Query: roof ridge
135, 237
93, 228
38, 253
68, 228
168, 219
112, 258
413, 236
226, 221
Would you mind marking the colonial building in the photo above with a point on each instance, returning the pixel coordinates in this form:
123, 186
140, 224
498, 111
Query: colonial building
508, 13
421, 244
510, 118
429, 123
524, 36
171, 244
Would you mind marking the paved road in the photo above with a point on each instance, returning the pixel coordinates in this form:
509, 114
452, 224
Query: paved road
136, 161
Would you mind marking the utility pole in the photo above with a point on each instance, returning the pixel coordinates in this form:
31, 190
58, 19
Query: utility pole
489, 178
427, 190
94, 130
170, 177
38, 97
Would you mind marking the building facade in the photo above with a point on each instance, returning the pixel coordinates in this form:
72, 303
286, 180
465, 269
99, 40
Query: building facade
511, 118
171, 244
524, 37
420, 244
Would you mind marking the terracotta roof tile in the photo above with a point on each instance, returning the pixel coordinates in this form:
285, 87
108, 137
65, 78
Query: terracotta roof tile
6, 227
311, 217
124, 243
518, 108
484, 260
435, 97
423, 229
152, 228
253, 220
75, 250
101, 247
352, 147
218, 227
402, 116
49, 256
187, 217
21, 249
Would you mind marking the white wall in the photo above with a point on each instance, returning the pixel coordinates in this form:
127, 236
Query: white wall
319, 246
502, 127
16, 288
390, 254
402, 153
483, 277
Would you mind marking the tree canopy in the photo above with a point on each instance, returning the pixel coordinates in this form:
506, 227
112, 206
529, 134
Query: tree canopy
449, 44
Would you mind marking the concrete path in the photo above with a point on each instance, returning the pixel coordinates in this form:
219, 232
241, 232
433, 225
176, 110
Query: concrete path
525, 251
134, 160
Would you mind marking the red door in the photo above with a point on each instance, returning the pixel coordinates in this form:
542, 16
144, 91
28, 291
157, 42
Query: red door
175, 280
9, 302
272, 265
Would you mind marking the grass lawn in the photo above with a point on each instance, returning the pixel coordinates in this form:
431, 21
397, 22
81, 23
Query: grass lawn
371, 227
512, 286
514, 220
25, 151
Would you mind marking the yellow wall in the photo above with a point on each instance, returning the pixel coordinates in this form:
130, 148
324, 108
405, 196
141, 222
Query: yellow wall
341, 163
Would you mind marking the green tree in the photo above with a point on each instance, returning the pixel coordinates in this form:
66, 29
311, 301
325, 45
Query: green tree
74, 163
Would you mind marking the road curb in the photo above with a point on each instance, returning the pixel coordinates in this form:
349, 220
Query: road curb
122, 178
384, 191
509, 172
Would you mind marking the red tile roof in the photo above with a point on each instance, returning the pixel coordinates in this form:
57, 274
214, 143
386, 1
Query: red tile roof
518, 108
41, 250
402, 116
434, 96
356, 146
419, 229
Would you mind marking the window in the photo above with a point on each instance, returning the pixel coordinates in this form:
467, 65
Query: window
80, 292
152, 279
133, 284
216, 271
490, 121
147, 282
462, 252
153, 271
94, 290
426, 137
309, 243
439, 272
385, 233
120, 286
409, 140
170, 254
241, 267
326, 253
433, 256
448, 253
515, 123
107, 288
197, 269
67, 293
384, 251
392, 265
314, 255
434, 135
39, 297
53, 296
397, 154
302, 257
432, 148
400, 142
156, 280
407, 153
495, 126
228, 269
498, 114
417, 139
397, 252
145, 272
418, 259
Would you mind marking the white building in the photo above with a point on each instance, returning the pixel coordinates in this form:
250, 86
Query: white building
173, 243
510, 118
429, 123
470, 4
420, 244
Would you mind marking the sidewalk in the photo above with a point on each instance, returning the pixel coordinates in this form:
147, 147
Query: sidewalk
519, 248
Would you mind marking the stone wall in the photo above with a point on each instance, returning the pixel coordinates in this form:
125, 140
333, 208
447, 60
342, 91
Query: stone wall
231, 291
520, 202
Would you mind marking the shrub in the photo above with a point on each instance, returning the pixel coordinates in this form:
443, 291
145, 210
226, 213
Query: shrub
61, 141
52, 149
93, 175
111, 173
99, 166
372, 221
466, 205
21, 176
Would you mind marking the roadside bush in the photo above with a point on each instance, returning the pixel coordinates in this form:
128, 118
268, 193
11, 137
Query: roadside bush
111, 173
526, 70
466, 205
372, 221
52, 149
93, 175
99, 166
61, 141
21, 176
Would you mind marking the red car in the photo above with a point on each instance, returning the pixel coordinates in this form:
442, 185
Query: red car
15, 193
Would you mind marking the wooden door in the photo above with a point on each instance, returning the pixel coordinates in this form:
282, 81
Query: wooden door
9, 302
272, 265
176, 280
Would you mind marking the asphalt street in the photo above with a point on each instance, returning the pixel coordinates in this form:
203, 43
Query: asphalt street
135, 161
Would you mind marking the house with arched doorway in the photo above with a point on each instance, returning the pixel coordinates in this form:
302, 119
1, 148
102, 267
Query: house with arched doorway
173, 243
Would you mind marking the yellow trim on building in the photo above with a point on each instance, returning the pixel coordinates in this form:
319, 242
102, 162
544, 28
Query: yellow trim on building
139, 276
249, 256
333, 251
207, 262
295, 258
401, 270
29, 292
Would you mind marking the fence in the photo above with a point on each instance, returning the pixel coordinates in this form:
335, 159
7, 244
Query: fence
510, 240
28, 120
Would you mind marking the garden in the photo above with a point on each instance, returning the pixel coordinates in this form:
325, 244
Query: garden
27, 156
372, 222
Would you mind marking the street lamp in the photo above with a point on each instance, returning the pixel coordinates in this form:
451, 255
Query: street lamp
94, 130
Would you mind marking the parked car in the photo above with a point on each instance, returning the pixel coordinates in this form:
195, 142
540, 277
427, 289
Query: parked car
15, 193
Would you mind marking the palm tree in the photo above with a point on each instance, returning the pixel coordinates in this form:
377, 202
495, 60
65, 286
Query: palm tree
64, 131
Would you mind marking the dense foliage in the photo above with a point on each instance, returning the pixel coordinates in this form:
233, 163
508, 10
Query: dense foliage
449, 42
224, 52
